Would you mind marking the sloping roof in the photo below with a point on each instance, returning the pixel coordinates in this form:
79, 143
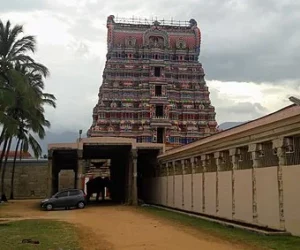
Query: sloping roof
284, 113
25, 155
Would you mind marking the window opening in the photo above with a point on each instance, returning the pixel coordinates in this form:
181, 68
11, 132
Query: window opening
160, 135
157, 71
159, 111
158, 90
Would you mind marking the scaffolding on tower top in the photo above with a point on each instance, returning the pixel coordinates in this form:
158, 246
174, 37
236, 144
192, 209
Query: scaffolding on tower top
145, 21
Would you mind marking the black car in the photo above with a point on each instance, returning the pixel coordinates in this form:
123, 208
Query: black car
65, 199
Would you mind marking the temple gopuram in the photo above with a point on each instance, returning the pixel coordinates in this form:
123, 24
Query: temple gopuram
153, 84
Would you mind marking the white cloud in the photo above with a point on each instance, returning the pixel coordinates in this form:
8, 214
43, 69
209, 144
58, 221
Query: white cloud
240, 41
226, 95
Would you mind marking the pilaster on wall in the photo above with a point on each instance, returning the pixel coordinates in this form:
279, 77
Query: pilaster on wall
278, 147
233, 153
167, 187
253, 149
182, 181
204, 159
218, 158
192, 182
174, 170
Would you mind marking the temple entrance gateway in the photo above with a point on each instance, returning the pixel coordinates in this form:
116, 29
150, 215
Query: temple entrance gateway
122, 161
160, 84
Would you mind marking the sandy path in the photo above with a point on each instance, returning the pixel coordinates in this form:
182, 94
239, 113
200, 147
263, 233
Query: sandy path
121, 227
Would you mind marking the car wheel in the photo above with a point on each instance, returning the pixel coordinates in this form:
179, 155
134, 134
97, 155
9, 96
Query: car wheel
49, 207
81, 204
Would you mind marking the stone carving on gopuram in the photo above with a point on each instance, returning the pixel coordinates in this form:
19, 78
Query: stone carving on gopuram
153, 84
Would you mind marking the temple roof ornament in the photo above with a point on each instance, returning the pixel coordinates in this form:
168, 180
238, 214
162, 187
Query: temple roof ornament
193, 23
201, 106
180, 43
155, 37
110, 19
156, 23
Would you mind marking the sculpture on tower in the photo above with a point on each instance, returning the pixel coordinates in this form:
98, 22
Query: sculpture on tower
153, 86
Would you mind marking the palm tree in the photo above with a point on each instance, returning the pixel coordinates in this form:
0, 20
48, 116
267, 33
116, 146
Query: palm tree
9, 98
28, 110
9, 124
3, 197
22, 99
14, 50
26, 140
24, 137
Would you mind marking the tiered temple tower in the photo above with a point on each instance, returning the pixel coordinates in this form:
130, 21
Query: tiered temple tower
153, 85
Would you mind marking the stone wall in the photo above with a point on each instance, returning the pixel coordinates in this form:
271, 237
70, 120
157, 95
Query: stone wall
66, 179
31, 179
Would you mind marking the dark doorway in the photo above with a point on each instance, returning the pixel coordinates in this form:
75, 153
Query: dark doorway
147, 161
119, 156
158, 90
159, 111
157, 71
63, 160
160, 135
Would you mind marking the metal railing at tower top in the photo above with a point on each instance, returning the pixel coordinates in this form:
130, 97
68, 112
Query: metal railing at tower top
145, 21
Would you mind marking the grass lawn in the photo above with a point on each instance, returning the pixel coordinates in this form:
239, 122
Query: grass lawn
51, 235
231, 234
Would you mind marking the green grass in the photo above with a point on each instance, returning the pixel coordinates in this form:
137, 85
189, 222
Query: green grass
233, 235
51, 235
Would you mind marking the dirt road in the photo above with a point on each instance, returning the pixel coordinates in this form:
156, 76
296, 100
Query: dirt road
122, 227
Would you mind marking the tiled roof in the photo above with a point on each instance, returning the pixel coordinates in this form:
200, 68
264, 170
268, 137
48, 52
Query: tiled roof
25, 155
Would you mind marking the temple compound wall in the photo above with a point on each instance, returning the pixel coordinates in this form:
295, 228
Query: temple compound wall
30, 179
249, 173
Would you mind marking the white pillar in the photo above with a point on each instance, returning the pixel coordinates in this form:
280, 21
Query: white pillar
278, 147
218, 159
234, 159
174, 171
192, 182
182, 182
204, 160
167, 181
253, 148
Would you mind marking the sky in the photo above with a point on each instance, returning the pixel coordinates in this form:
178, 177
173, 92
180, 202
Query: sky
250, 51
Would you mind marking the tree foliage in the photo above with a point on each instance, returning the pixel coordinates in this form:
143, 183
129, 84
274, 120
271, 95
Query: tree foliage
22, 97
